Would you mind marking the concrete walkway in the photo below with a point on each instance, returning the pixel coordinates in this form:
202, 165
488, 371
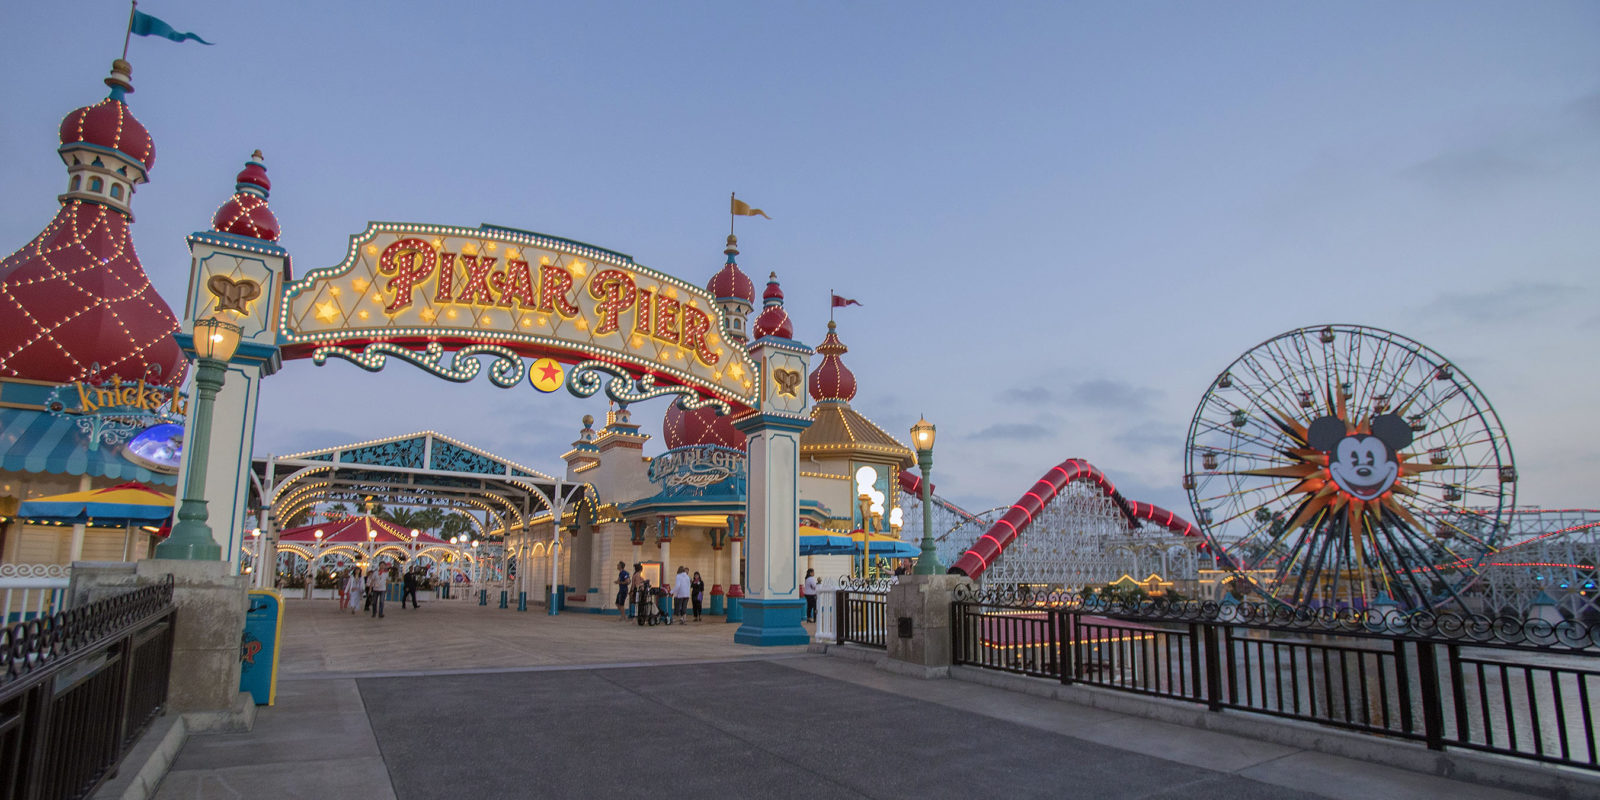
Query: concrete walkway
457, 700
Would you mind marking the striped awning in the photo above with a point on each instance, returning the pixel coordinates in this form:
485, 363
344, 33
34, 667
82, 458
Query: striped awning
38, 441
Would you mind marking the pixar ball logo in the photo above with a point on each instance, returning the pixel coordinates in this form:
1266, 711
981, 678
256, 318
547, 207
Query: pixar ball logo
1364, 465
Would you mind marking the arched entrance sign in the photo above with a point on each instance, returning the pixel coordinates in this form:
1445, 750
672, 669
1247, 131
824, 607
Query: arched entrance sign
419, 292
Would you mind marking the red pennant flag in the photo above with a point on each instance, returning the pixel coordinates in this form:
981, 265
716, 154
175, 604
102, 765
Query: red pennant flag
841, 302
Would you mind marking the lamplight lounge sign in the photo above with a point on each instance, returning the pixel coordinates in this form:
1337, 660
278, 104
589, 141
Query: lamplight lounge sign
116, 411
696, 468
427, 288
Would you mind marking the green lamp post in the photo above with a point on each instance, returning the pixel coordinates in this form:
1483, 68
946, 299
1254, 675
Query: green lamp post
191, 539
922, 439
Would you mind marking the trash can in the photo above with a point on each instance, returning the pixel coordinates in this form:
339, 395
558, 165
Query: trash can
735, 613
717, 602
258, 650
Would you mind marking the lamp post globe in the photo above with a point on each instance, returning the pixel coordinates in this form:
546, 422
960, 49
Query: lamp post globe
191, 539
922, 435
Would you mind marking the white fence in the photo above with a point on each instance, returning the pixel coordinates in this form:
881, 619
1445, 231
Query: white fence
28, 591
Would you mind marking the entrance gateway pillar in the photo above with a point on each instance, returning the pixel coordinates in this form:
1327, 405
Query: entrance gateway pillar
772, 606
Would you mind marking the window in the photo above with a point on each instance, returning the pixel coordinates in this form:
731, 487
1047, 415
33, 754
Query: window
116, 191
96, 185
77, 180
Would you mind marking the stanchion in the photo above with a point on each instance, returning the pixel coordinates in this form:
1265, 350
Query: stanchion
522, 601
503, 594
483, 597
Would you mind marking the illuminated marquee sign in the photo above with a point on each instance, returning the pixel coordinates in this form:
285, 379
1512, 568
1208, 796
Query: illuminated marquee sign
416, 292
116, 411
699, 470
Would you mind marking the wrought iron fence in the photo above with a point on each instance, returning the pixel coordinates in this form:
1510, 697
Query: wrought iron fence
862, 611
1523, 688
77, 688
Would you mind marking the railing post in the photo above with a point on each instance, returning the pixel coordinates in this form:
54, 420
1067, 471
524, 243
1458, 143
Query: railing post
1213, 661
1059, 621
1432, 708
843, 615
1402, 680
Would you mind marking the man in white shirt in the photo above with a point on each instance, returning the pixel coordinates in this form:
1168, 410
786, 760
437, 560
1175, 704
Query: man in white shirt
378, 583
680, 594
809, 592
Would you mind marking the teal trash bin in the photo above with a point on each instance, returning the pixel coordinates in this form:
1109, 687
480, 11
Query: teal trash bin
392, 593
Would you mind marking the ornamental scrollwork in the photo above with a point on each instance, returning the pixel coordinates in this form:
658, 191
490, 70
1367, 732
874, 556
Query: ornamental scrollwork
588, 378
1447, 627
505, 371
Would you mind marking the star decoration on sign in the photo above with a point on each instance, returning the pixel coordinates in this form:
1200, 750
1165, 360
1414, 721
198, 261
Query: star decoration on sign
328, 311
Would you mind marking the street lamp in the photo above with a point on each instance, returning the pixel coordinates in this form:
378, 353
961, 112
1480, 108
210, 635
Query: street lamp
922, 440
191, 539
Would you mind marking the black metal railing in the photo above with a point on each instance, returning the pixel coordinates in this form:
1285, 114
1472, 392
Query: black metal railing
862, 616
1523, 688
76, 690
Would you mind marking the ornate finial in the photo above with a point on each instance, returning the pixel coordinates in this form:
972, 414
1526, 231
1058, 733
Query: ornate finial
121, 78
830, 326
733, 245
772, 276
588, 420
256, 156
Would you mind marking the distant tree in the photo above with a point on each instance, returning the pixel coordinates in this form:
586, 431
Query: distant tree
455, 523
337, 511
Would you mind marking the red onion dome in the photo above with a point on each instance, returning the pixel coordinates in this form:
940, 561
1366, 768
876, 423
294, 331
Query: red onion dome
731, 281
832, 380
774, 321
76, 305
109, 123
246, 213
703, 426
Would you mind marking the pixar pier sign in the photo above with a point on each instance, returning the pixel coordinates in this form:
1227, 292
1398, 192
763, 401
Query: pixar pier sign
418, 291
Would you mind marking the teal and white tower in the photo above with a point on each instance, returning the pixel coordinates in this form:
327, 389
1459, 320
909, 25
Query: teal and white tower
236, 276
773, 607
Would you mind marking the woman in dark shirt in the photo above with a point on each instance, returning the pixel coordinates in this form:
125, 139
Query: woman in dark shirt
697, 592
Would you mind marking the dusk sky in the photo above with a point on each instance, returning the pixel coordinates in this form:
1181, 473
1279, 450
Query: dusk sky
1062, 219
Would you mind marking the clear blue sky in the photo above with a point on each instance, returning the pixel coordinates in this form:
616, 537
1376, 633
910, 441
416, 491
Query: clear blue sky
1062, 219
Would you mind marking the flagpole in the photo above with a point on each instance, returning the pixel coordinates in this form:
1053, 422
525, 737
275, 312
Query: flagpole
730, 212
830, 305
133, 9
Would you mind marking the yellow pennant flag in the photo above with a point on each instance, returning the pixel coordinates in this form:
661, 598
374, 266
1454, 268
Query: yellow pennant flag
742, 209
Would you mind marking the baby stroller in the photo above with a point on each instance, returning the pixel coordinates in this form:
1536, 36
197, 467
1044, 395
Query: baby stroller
654, 608
645, 608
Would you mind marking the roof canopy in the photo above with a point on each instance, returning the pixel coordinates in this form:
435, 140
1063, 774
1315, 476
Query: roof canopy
418, 469
358, 530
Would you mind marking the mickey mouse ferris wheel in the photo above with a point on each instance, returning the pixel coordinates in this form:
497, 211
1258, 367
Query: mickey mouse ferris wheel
1345, 465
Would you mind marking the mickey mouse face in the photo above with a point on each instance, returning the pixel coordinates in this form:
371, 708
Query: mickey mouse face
1362, 465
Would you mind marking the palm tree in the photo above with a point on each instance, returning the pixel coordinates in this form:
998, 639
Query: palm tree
428, 519
455, 523
337, 511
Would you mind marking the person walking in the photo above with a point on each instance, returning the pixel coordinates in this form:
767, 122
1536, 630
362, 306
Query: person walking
697, 593
680, 594
410, 589
342, 589
355, 588
809, 590
623, 585
378, 585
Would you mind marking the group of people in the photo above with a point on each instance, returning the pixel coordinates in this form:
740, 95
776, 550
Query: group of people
371, 589
634, 593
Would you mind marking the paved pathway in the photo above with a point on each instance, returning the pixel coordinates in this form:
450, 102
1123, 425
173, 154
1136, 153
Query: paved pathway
455, 700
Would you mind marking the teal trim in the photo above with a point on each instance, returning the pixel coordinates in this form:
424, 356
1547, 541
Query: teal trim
772, 623
234, 240
757, 422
